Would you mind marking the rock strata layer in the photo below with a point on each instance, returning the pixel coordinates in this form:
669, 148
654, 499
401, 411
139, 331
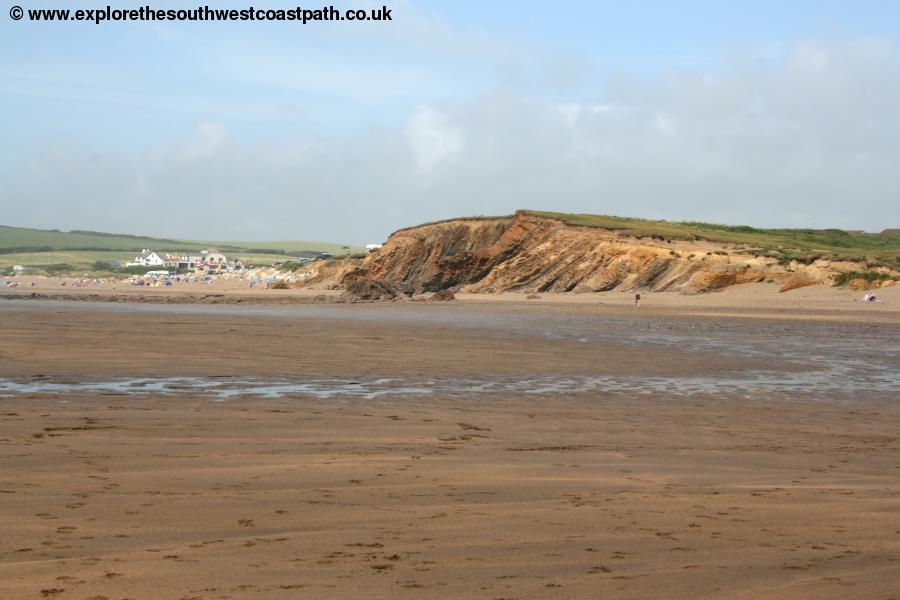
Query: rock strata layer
531, 253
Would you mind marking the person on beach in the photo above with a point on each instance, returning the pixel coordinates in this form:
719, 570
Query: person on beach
637, 300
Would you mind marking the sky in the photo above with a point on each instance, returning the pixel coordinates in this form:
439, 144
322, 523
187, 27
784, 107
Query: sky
768, 113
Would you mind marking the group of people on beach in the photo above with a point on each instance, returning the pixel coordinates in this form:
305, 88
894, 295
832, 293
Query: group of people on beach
81, 282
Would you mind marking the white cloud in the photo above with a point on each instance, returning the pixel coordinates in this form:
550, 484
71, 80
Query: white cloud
207, 140
432, 138
808, 56
812, 138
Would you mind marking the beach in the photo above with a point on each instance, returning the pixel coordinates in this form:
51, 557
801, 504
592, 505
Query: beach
484, 448
743, 299
450, 301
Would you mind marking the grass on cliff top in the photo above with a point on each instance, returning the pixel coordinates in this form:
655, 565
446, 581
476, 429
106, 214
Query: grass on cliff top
784, 244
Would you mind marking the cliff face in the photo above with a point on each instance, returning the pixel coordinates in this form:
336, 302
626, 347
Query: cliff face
530, 253
441, 255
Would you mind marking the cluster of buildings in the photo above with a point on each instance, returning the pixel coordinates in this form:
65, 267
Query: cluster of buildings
207, 261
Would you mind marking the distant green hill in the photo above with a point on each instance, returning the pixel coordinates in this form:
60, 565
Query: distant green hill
54, 250
20, 239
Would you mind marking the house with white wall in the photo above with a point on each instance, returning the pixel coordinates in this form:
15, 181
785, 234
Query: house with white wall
208, 261
147, 258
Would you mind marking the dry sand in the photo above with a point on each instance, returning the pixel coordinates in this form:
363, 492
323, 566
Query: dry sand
588, 495
752, 297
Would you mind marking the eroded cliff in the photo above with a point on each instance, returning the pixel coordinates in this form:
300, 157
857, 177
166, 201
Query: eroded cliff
533, 253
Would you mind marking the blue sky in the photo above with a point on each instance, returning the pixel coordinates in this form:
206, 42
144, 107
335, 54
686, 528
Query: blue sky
770, 113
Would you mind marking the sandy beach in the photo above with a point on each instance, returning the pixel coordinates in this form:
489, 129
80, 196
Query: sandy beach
753, 298
515, 450
450, 301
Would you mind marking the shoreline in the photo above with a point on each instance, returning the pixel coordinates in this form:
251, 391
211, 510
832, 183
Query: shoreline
742, 301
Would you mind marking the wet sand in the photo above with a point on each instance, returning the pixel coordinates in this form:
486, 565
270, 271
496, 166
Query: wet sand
634, 493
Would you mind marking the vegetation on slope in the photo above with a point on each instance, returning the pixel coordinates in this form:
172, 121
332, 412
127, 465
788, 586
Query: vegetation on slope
803, 245
868, 276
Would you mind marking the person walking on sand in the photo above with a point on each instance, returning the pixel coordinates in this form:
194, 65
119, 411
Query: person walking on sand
637, 300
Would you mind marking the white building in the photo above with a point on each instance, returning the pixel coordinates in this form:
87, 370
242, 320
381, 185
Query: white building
373, 247
208, 261
147, 258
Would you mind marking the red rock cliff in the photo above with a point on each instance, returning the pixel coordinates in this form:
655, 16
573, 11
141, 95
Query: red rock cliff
531, 253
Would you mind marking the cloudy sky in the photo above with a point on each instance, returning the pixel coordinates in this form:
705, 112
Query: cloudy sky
736, 112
